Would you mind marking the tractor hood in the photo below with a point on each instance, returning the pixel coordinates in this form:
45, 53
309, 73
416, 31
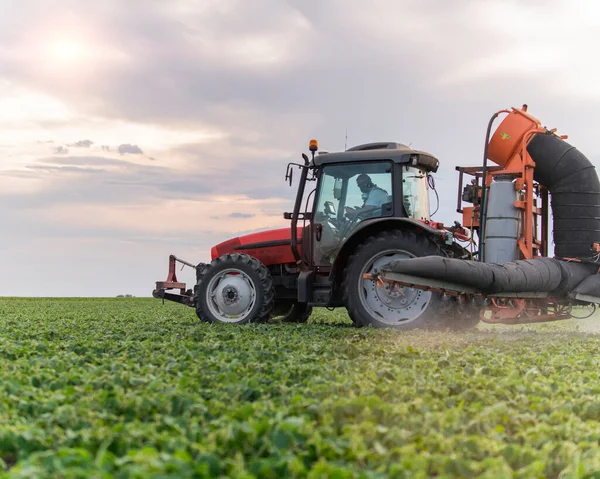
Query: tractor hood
270, 247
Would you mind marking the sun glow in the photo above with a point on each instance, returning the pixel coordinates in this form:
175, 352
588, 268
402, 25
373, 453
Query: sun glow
68, 51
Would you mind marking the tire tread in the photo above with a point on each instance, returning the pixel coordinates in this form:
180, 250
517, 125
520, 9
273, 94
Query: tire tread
235, 259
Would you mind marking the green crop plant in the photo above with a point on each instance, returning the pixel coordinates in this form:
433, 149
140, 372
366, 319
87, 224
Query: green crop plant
129, 388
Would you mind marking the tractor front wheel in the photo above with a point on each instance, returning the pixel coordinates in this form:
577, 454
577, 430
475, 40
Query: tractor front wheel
234, 288
385, 306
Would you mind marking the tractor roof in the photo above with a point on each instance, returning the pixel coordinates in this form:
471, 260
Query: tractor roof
396, 152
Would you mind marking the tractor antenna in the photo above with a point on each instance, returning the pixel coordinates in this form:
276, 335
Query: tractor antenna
346, 141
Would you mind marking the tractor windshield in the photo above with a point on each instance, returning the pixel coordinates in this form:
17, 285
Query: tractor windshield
415, 192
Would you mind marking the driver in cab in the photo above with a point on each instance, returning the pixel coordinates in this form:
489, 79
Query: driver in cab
373, 196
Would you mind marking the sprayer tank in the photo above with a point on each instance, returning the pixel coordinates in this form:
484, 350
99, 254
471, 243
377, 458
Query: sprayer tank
502, 222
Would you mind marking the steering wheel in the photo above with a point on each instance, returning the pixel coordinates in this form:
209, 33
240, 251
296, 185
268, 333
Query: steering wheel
362, 214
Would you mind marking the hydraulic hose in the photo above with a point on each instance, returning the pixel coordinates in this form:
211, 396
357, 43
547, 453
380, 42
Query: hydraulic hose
484, 188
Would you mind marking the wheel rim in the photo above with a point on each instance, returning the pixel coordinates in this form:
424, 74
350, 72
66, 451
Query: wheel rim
390, 305
231, 295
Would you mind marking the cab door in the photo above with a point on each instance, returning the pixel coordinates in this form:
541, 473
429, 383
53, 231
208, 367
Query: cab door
339, 197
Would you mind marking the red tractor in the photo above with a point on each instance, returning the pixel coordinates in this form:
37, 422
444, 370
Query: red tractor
368, 207
367, 242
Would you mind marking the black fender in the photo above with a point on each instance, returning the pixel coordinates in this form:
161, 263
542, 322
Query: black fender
371, 227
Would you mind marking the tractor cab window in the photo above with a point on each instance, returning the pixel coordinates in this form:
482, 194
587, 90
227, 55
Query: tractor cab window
347, 195
415, 192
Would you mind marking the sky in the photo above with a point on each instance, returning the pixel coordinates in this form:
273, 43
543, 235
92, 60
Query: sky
131, 130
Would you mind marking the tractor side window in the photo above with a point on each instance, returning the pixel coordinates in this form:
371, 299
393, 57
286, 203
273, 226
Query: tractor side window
415, 193
327, 195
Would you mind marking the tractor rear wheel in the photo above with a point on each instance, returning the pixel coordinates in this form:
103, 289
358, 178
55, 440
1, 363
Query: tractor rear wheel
386, 307
234, 288
291, 311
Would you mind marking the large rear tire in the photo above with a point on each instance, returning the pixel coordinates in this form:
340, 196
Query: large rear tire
234, 288
386, 307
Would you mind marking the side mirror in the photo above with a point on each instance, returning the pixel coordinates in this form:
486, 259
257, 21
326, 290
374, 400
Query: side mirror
289, 174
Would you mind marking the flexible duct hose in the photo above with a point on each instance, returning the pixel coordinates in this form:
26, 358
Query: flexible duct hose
544, 275
573, 183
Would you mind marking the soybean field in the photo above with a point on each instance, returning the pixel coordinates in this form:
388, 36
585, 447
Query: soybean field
131, 388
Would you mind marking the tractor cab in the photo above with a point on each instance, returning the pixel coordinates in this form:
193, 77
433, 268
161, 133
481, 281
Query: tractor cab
365, 184
349, 194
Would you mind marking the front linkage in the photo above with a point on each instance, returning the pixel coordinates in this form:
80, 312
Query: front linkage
185, 296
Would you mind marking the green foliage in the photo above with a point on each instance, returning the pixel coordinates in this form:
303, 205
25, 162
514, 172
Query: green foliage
129, 388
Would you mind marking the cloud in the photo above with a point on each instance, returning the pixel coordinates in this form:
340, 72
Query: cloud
60, 150
132, 149
223, 94
64, 169
85, 161
99, 180
82, 144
